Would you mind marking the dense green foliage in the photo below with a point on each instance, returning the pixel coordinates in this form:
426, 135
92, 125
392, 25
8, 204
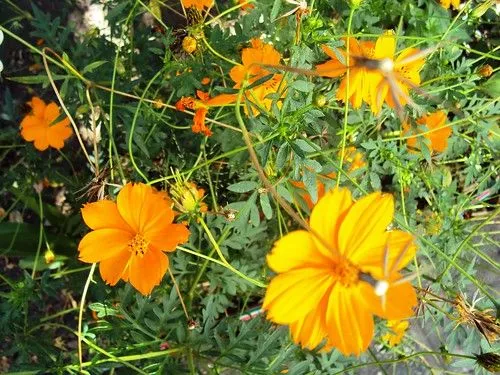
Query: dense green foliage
449, 201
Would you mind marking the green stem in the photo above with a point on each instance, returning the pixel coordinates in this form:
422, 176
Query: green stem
346, 106
223, 259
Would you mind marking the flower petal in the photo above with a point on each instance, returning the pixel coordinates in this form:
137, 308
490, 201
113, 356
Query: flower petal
311, 330
292, 295
364, 223
103, 244
331, 68
385, 47
326, 218
296, 250
104, 214
51, 113
397, 246
349, 324
167, 237
130, 200
400, 300
156, 212
146, 272
37, 106
58, 133
113, 269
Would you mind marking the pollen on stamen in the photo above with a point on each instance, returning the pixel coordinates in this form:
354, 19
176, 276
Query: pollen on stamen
138, 245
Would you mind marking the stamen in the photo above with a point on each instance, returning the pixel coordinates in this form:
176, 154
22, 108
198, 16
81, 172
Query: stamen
345, 272
138, 245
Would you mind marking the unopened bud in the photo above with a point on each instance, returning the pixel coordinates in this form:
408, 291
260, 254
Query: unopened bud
482, 8
355, 3
485, 71
189, 44
49, 256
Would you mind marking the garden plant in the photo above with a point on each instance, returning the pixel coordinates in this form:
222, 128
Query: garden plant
249, 187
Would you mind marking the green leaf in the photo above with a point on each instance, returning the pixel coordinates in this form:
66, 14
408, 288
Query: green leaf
492, 86
275, 10
243, 186
266, 206
375, 181
39, 79
92, 66
302, 86
305, 146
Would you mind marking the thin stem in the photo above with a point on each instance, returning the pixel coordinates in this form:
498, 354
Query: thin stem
346, 106
223, 259
80, 315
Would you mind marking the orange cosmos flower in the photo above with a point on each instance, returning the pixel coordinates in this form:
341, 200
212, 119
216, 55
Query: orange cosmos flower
359, 90
325, 290
129, 237
437, 139
375, 75
252, 70
198, 4
39, 126
201, 106
398, 328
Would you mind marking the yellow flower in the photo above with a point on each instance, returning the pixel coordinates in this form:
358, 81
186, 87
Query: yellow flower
359, 90
405, 73
398, 328
447, 3
437, 138
331, 281
40, 127
130, 237
49, 256
376, 74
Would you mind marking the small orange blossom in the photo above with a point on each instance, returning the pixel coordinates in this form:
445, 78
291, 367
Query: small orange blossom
438, 139
201, 106
129, 237
198, 4
39, 126
398, 328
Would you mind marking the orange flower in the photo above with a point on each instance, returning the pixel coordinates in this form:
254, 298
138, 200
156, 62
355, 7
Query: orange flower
320, 188
331, 283
359, 89
201, 106
247, 6
437, 139
398, 328
252, 70
354, 158
370, 65
198, 4
129, 237
39, 126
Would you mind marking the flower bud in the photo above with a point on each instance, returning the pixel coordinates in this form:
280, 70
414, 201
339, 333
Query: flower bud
485, 71
189, 44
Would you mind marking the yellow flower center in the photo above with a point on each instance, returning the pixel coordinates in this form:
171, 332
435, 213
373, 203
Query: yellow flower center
138, 245
346, 273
